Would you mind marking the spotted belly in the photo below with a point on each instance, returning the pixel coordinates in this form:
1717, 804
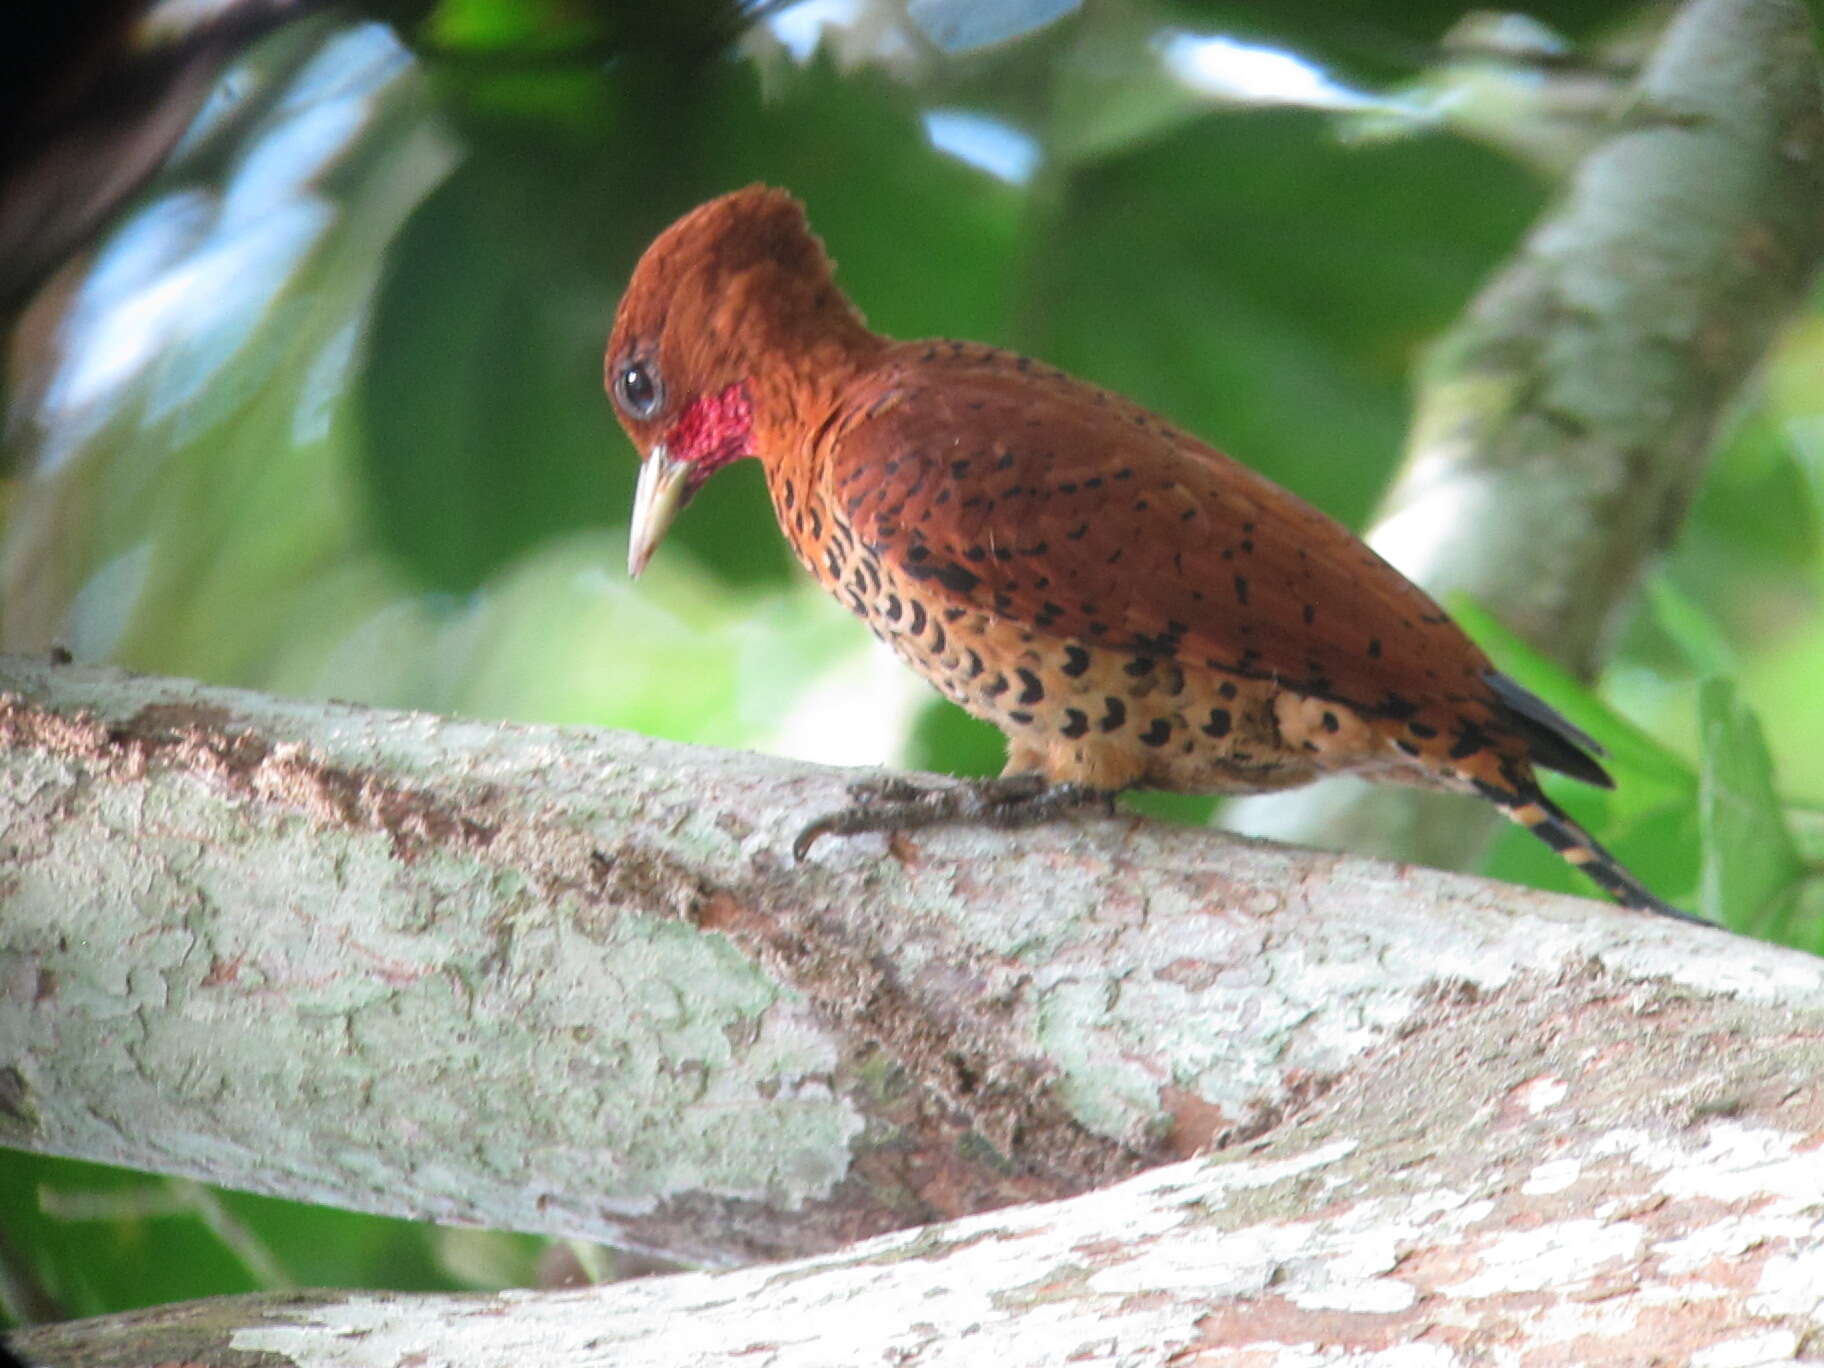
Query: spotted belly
1079, 713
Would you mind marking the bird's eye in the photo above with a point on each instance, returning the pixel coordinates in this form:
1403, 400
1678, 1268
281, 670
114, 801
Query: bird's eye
637, 389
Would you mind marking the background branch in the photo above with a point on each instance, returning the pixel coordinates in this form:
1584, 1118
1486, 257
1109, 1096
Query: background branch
1562, 427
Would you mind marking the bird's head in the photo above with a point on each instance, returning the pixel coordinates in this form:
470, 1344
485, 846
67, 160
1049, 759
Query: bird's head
724, 318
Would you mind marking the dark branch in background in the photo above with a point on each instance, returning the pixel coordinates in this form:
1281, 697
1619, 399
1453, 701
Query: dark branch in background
1563, 426
95, 98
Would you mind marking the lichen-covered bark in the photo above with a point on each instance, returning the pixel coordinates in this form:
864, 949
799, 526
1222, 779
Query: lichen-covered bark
1597, 1168
1562, 427
571, 981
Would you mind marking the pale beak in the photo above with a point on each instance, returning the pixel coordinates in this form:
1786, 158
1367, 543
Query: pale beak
663, 487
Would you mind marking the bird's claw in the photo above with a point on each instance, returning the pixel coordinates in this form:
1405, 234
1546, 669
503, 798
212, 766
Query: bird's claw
894, 804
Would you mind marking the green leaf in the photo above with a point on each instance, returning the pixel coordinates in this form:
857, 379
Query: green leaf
1751, 863
1691, 628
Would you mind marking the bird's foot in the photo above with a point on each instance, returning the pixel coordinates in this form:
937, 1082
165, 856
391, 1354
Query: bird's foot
894, 804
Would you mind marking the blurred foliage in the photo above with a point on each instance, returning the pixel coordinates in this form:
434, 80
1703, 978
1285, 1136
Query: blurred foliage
320, 413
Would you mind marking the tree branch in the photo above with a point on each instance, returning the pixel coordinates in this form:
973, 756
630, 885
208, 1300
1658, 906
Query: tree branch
1563, 427
1601, 1163
570, 981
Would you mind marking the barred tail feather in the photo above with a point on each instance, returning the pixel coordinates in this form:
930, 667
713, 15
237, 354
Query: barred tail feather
1553, 825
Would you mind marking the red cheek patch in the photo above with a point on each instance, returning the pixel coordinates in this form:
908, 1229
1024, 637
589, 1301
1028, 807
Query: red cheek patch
714, 430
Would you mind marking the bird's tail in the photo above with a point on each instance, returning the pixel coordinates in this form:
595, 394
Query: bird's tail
1531, 809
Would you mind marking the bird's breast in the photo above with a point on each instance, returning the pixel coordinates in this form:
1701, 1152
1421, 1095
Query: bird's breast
1071, 709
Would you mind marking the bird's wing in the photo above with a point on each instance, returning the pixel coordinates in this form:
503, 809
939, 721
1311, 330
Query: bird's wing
1008, 487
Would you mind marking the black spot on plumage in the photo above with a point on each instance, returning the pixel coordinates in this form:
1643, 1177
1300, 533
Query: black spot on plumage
1330, 722
1139, 665
1019, 715
791, 496
1076, 533
954, 578
1406, 746
1470, 739
955, 614
1076, 723
1125, 473
816, 523
1397, 707
1093, 482
1006, 461
939, 639
1157, 645
894, 608
1423, 730
918, 617
1031, 690
976, 553
1241, 589
1076, 661
1219, 723
1115, 714
1157, 734
1310, 613
997, 686
1374, 648
959, 468
973, 663
1227, 688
